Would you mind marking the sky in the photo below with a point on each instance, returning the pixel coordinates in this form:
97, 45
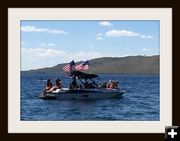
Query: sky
48, 43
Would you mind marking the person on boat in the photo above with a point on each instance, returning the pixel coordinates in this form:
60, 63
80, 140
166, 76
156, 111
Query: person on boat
109, 84
58, 85
116, 84
102, 85
112, 84
93, 84
74, 84
48, 85
80, 86
86, 85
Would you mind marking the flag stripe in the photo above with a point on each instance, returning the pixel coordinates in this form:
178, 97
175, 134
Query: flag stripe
69, 67
82, 66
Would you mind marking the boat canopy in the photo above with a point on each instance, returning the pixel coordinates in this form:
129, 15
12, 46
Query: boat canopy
82, 75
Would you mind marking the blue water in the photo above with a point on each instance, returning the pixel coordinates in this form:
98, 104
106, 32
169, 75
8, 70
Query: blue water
139, 103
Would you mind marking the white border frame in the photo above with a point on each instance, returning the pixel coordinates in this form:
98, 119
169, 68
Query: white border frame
15, 15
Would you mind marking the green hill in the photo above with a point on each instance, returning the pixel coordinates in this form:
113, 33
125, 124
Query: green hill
123, 65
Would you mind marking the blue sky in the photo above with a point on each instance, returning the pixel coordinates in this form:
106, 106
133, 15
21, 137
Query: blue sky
48, 43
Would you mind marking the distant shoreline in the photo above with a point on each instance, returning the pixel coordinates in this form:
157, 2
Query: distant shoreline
114, 65
46, 73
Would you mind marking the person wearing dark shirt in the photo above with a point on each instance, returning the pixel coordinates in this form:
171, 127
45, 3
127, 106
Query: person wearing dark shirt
74, 84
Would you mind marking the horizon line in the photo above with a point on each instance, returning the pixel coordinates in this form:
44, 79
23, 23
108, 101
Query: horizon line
92, 59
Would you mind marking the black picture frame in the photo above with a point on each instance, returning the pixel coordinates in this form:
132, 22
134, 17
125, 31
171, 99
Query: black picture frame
80, 4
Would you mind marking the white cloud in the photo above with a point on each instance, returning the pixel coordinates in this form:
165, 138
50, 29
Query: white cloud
47, 44
99, 34
99, 38
32, 29
43, 44
52, 53
41, 52
146, 49
126, 33
58, 31
105, 23
87, 55
147, 36
119, 33
33, 58
51, 44
36, 29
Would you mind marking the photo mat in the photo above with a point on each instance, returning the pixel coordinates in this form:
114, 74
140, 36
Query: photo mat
115, 126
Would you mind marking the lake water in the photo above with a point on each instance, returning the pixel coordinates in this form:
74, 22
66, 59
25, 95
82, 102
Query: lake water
139, 103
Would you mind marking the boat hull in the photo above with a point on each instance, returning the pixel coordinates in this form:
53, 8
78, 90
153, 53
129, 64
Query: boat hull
84, 94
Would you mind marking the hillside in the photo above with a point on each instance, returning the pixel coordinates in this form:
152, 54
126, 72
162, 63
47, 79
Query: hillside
123, 65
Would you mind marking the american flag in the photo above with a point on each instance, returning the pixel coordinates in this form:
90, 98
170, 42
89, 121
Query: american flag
83, 66
69, 67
